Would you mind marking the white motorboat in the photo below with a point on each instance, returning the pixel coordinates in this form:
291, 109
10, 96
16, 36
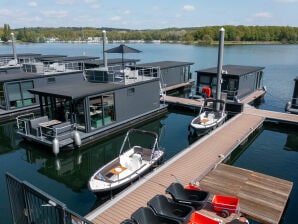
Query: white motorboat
212, 114
130, 164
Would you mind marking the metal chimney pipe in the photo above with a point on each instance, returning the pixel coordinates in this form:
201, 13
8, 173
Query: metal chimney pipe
104, 39
219, 64
13, 48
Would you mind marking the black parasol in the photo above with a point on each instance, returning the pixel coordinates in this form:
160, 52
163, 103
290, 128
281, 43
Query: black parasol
123, 49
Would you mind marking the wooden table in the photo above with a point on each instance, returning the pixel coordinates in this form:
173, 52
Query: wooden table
117, 170
49, 123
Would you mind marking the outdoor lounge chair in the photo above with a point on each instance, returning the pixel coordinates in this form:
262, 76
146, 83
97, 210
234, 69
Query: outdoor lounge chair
161, 205
196, 198
145, 215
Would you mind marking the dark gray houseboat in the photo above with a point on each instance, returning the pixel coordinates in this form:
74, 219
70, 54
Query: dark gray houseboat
33, 73
173, 74
292, 106
79, 112
238, 81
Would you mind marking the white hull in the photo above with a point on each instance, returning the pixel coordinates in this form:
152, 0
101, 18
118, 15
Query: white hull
208, 119
119, 172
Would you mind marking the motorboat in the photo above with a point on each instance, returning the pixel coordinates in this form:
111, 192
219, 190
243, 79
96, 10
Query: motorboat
138, 154
211, 115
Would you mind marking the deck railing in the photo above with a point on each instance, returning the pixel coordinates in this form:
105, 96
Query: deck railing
115, 74
31, 205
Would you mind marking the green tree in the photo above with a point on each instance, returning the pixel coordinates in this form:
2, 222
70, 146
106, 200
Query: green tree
6, 33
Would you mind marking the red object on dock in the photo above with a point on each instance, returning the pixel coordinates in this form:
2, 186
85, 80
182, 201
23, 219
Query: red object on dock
227, 203
207, 91
191, 187
197, 218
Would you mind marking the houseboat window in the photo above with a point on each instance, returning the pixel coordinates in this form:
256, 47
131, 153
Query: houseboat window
96, 112
2, 97
80, 114
204, 79
28, 98
51, 80
14, 95
18, 94
130, 91
102, 110
108, 109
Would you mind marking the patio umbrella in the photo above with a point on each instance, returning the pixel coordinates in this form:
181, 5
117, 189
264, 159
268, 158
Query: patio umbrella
123, 49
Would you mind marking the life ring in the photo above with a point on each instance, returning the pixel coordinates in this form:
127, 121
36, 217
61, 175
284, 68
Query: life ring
206, 91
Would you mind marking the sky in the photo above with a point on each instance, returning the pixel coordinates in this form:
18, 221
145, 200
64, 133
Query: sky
147, 14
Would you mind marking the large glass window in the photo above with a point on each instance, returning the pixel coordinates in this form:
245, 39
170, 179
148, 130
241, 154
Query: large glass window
80, 115
18, 94
102, 110
108, 109
96, 112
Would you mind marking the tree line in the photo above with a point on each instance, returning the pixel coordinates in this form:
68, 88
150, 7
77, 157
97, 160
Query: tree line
197, 35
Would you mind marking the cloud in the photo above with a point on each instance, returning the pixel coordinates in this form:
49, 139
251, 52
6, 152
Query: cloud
32, 4
91, 1
286, 1
5, 12
188, 8
55, 13
65, 2
115, 18
263, 15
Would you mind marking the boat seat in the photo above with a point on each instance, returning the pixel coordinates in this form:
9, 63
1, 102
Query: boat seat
135, 162
145, 152
196, 198
63, 130
161, 205
34, 125
145, 215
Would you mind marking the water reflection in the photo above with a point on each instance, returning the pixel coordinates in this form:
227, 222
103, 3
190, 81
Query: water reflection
8, 138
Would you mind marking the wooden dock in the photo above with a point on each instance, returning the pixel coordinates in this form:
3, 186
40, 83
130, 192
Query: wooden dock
252, 97
262, 197
273, 116
193, 164
178, 86
182, 102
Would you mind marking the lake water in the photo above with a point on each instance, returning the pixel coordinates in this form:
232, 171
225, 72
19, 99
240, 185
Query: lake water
274, 151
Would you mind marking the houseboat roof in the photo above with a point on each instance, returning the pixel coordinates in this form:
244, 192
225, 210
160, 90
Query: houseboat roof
18, 74
24, 55
164, 64
68, 58
235, 70
111, 61
82, 89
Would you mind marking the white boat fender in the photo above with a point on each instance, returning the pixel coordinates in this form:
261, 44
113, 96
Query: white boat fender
55, 146
77, 138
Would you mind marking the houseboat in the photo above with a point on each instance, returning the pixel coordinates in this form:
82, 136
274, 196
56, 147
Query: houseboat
238, 81
292, 106
173, 74
35, 72
80, 112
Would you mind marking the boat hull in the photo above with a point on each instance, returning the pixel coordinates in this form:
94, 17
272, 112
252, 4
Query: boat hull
200, 129
104, 186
